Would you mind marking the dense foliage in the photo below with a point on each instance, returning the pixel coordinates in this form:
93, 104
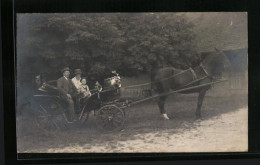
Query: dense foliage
96, 43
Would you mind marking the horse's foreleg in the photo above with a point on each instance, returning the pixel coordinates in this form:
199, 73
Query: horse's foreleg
199, 105
161, 103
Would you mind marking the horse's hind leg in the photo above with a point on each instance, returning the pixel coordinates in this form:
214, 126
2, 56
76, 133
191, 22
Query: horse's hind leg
161, 103
199, 105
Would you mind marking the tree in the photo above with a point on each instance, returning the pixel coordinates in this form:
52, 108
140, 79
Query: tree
97, 42
154, 39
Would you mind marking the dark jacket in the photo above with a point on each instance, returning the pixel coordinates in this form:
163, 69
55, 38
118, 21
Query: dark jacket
66, 87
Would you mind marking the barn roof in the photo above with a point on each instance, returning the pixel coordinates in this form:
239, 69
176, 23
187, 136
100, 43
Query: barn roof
224, 30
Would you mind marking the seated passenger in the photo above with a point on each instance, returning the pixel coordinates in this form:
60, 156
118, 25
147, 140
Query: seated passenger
67, 91
84, 92
84, 89
98, 87
77, 78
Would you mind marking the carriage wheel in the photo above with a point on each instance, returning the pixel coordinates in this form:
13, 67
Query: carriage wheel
47, 121
110, 118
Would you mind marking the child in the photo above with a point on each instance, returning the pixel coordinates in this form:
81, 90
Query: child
98, 87
84, 88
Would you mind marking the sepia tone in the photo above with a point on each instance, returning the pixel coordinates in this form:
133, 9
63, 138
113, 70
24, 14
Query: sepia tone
149, 72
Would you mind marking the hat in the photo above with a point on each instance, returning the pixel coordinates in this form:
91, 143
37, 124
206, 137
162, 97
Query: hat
77, 71
65, 69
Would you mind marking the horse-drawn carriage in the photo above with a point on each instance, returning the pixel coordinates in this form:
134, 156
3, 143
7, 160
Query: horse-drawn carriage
49, 109
109, 107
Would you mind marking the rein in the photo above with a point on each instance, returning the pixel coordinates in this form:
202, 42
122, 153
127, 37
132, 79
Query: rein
131, 86
170, 77
172, 92
195, 78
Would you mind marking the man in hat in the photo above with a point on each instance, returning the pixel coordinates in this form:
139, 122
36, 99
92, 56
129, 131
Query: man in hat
67, 91
77, 79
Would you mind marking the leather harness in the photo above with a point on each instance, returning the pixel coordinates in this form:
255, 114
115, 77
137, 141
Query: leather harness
203, 67
195, 76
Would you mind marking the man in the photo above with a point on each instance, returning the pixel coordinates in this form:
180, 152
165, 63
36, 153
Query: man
77, 78
67, 91
77, 83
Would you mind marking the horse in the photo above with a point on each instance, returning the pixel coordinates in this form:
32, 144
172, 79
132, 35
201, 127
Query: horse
210, 68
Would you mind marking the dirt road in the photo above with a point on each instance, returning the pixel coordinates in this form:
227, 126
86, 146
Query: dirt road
223, 128
227, 132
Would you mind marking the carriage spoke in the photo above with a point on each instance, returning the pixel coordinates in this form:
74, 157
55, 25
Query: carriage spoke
46, 121
120, 117
118, 112
118, 121
110, 118
103, 119
106, 125
113, 124
56, 125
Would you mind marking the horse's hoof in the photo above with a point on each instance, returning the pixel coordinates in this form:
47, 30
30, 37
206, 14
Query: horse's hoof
165, 117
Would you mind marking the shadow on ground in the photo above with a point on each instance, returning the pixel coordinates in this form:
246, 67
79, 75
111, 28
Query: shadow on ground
141, 118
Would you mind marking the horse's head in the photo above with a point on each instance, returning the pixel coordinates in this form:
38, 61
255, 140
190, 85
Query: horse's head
114, 81
216, 63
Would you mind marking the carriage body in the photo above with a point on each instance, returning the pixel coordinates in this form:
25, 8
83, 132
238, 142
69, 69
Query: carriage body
49, 108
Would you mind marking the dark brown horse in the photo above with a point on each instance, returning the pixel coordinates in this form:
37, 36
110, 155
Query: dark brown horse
166, 79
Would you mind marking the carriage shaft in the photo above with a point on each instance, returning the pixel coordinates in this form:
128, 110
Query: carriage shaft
176, 91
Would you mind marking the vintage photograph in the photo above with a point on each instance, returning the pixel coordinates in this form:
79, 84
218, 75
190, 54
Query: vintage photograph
152, 82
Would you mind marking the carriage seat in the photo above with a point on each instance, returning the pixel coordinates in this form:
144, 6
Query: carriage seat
50, 89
